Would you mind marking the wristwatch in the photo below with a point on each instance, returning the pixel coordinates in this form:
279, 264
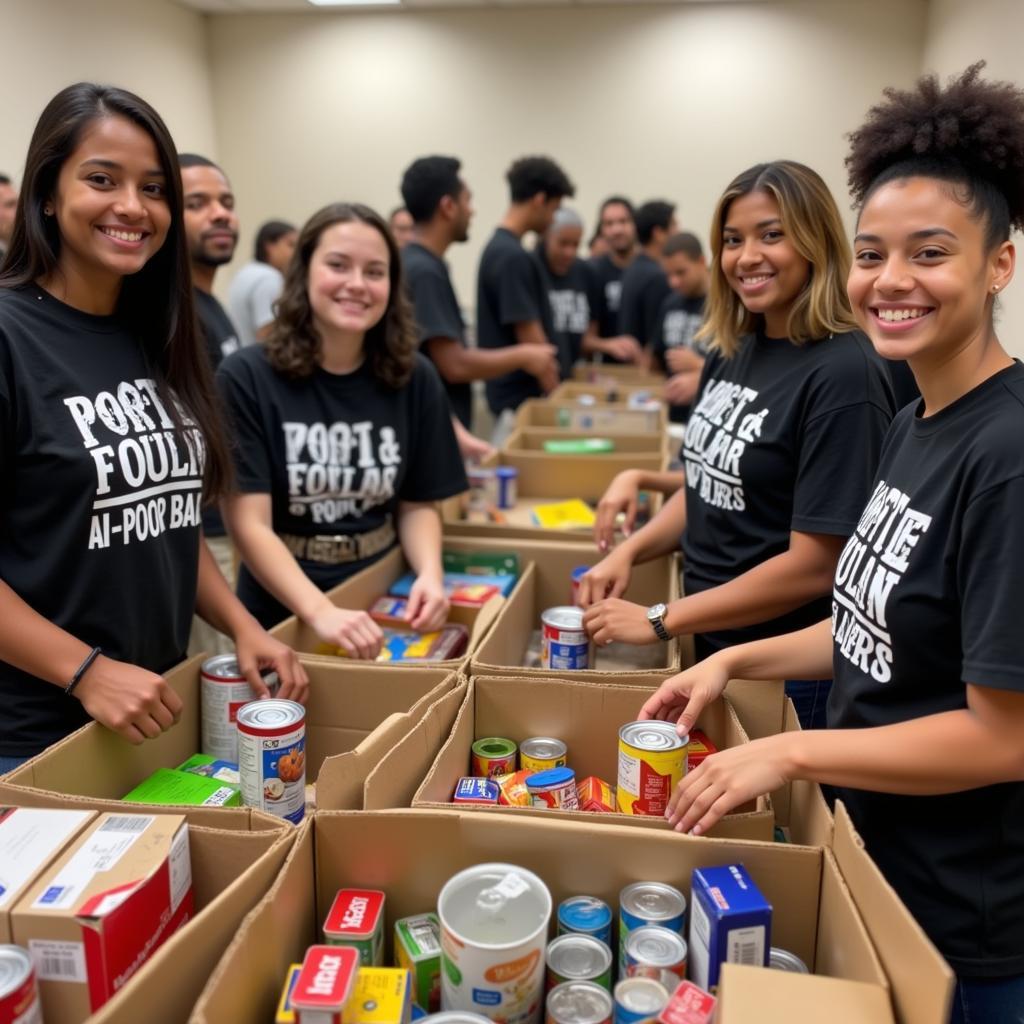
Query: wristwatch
656, 617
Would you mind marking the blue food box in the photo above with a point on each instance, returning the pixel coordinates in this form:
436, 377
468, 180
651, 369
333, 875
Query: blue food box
730, 922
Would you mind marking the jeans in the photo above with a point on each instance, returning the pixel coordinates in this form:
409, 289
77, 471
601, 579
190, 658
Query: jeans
8, 764
988, 1001
809, 697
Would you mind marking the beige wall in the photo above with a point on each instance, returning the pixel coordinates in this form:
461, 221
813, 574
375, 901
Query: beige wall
649, 100
152, 47
959, 34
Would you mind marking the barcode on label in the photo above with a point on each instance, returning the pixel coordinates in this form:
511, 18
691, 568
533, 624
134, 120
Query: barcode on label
58, 961
126, 823
746, 946
423, 936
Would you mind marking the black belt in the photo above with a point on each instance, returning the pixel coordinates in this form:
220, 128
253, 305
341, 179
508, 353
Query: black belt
336, 549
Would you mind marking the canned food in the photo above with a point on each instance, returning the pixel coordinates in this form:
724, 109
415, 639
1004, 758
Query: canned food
456, 1017
579, 958
564, 642
224, 691
574, 583
783, 960
356, 919
506, 479
542, 752
492, 757
644, 903
658, 953
19, 994
272, 757
555, 787
586, 915
579, 1002
639, 999
698, 748
652, 761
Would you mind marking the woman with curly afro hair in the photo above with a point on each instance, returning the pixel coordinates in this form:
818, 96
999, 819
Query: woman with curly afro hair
925, 645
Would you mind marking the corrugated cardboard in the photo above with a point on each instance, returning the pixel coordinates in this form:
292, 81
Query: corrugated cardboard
591, 372
94, 767
361, 590
411, 854
649, 451
547, 584
612, 393
587, 718
542, 412
921, 980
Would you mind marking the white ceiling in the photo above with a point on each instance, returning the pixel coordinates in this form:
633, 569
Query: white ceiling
252, 6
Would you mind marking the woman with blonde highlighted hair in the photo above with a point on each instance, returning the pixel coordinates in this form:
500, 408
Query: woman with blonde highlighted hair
782, 442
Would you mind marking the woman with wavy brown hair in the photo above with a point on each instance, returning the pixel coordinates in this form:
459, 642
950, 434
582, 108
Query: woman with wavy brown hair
342, 437
782, 441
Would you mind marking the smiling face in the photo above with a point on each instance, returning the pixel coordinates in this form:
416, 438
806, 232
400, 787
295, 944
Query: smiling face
618, 229
349, 284
759, 262
110, 204
922, 279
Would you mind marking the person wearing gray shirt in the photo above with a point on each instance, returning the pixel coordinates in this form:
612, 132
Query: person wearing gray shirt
257, 286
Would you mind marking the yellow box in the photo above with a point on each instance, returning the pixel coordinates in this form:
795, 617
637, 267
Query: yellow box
381, 995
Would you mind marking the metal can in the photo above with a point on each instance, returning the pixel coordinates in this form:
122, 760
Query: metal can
574, 583
506, 479
658, 953
19, 994
579, 1002
556, 788
639, 999
579, 958
564, 642
644, 903
539, 753
272, 757
224, 691
586, 915
783, 960
652, 761
456, 1017
493, 756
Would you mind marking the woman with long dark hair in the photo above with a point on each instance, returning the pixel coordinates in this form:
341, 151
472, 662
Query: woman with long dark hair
109, 437
344, 439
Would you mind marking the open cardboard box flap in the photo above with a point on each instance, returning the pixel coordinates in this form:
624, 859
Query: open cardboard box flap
586, 717
585, 372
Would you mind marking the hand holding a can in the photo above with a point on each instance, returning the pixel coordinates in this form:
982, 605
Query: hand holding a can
256, 649
354, 631
615, 619
623, 495
609, 578
681, 698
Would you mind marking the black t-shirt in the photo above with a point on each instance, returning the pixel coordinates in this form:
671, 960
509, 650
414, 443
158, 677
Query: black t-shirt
437, 315
510, 290
928, 597
100, 507
904, 386
679, 319
570, 296
607, 278
782, 438
336, 453
644, 289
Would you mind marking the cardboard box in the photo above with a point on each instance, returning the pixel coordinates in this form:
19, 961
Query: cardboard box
620, 372
30, 839
587, 718
94, 767
616, 392
361, 590
97, 913
800, 807
546, 584
592, 418
411, 854
648, 451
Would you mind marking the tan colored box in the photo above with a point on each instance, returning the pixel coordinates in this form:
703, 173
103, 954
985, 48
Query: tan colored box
587, 718
649, 451
617, 392
411, 854
30, 839
619, 372
348, 728
361, 590
97, 913
592, 418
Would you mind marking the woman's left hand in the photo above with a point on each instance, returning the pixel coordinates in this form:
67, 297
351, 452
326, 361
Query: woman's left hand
428, 604
727, 779
615, 619
256, 649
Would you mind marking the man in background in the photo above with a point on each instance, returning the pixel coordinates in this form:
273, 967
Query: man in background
8, 205
257, 286
644, 284
401, 224
512, 302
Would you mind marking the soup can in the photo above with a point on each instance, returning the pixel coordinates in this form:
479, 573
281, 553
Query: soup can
586, 915
494, 926
658, 953
506, 480
224, 691
579, 958
783, 960
555, 788
564, 642
644, 903
539, 753
492, 756
579, 1002
19, 993
272, 757
639, 999
652, 761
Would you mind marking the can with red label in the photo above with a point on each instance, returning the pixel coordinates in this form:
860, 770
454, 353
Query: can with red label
492, 756
19, 994
272, 757
652, 761
224, 691
356, 919
564, 643
689, 1005
324, 984
556, 788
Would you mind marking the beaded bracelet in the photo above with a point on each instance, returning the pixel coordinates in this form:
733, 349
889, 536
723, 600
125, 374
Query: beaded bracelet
82, 669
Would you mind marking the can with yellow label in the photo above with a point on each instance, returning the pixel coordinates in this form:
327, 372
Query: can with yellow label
652, 761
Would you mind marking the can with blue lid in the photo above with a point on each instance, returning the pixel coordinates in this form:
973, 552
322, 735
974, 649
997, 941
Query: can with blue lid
586, 915
575, 578
555, 787
506, 479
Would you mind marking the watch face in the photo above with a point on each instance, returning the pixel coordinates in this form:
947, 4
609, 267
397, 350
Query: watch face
657, 611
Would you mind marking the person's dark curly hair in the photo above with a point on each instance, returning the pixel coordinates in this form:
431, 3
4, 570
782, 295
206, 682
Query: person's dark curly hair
294, 347
969, 134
